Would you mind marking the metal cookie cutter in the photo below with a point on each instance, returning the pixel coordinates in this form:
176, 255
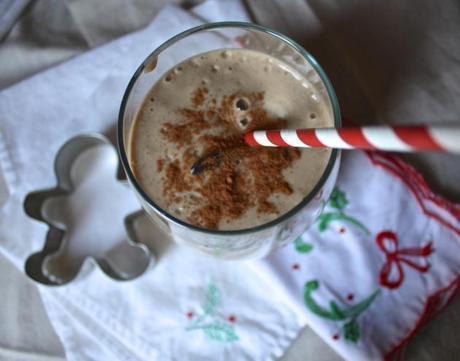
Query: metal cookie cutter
117, 266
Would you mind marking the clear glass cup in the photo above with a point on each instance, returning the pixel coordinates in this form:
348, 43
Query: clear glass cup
258, 241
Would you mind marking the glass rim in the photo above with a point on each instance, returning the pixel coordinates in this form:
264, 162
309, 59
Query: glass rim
212, 26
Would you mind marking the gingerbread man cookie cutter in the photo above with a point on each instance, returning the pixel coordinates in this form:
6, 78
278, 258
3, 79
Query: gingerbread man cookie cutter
55, 240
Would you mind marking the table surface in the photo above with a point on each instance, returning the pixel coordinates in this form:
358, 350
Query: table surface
390, 62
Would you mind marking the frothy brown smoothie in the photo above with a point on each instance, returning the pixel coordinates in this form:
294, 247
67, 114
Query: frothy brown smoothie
201, 108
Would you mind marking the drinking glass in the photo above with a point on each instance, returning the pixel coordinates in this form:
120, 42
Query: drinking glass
260, 240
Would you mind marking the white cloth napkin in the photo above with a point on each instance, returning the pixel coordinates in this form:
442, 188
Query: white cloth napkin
188, 306
344, 276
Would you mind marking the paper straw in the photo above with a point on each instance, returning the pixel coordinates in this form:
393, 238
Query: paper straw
401, 139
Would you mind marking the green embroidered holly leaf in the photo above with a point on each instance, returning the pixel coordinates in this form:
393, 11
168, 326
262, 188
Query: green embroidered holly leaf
356, 223
338, 199
312, 285
301, 246
351, 331
336, 311
351, 328
335, 314
212, 298
359, 308
220, 332
326, 218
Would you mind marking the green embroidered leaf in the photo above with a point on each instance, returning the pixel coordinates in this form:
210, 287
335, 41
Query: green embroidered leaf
351, 331
335, 313
326, 218
301, 246
359, 308
355, 222
309, 288
338, 199
212, 298
312, 285
335, 310
351, 328
220, 332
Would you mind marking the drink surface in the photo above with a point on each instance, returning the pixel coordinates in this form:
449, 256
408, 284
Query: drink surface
202, 107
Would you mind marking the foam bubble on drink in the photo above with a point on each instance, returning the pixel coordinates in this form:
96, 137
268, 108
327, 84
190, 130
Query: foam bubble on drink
225, 54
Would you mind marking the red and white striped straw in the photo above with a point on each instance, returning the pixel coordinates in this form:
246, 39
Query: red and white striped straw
400, 139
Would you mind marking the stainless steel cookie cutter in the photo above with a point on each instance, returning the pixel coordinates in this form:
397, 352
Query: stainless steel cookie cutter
35, 265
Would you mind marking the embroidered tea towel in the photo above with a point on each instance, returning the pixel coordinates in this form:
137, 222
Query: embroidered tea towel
383, 258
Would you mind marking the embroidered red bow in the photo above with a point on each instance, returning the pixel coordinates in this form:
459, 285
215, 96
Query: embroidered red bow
392, 273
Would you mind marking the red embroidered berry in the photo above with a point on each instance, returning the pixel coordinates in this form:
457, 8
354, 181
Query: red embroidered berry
350, 297
342, 230
189, 314
231, 319
295, 266
335, 337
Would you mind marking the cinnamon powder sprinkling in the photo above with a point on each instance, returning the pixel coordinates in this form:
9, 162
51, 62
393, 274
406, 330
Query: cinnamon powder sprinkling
160, 164
198, 96
242, 177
